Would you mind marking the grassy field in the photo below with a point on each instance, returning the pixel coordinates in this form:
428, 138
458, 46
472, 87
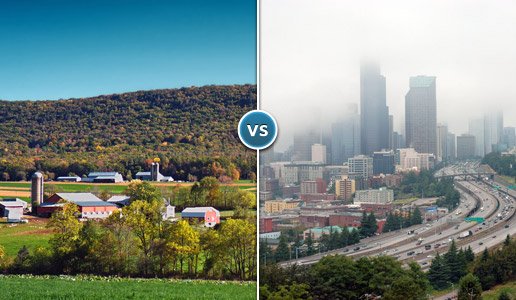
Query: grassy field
508, 178
405, 201
14, 236
22, 189
494, 293
77, 288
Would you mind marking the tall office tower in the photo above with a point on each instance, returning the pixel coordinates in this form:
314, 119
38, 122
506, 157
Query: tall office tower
509, 137
442, 142
374, 113
345, 136
318, 153
267, 156
421, 115
451, 152
303, 145
391, 130
493, 130
395, 144
326, 141
465, 146
476, 129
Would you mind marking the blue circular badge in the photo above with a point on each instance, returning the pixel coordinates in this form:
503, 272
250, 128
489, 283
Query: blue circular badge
257, 129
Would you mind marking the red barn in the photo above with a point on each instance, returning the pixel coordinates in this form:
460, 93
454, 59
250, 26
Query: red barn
209, 215
89, 205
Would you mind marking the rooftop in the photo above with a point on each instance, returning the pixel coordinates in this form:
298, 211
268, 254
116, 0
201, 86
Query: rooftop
421, 81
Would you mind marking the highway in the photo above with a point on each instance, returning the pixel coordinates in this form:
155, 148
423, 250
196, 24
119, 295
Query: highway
492, 204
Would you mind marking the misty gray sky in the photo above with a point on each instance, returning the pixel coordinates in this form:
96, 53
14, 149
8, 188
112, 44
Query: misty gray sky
310, 54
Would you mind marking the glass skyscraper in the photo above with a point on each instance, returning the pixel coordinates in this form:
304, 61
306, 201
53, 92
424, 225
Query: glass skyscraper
374, 113
421, 115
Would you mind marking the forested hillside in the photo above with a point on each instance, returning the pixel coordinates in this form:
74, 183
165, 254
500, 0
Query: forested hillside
193, 132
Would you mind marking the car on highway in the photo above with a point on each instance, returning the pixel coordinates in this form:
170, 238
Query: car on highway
437, 246
428, 247
410, 253
480, 243
418, 243
424, 263
420, 252
430, 256
346, 250
506, 226
356, 249
493, 236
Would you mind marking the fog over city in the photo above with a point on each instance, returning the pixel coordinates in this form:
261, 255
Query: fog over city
310, 54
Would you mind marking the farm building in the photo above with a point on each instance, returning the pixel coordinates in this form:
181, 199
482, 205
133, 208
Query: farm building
153, 175
119, 200
209, 215
104, 177
12, 209
69, 178
89, 205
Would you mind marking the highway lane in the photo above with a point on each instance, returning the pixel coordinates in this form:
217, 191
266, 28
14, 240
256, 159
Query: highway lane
398, 243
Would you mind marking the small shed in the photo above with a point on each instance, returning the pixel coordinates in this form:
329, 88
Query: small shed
209, 215
12, 209
69, 178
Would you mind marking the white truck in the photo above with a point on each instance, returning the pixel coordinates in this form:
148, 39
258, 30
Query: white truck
465, 234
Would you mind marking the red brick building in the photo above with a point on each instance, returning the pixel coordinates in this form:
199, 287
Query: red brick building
90, 206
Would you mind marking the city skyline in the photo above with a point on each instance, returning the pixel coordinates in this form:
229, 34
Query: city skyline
315, 66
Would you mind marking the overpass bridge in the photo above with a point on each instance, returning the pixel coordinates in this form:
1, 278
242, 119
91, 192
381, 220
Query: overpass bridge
478, 175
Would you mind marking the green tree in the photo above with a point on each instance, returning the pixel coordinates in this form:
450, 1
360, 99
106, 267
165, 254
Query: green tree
438, 274
354, 237
469, 288
238, 238
143, 191
416, 217
183, 244
470, 256
507, 241
282, 253
65, 227
504, 296
211, 188
2, 252
453, 264
344, 237
196, 193
365, 229
309, 245
144, 218
293, 291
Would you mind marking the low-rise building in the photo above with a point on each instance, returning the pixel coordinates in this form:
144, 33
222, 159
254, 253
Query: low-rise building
153, 175
379, 196
207, 215
318, 232
90, 206
104, 177
272, 206
69, 178
12, 209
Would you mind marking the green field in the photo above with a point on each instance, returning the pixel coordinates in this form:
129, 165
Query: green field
114, 189
86, 288
13, 238
494, 293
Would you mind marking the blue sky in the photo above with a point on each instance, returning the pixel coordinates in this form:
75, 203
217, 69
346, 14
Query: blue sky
72, 49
